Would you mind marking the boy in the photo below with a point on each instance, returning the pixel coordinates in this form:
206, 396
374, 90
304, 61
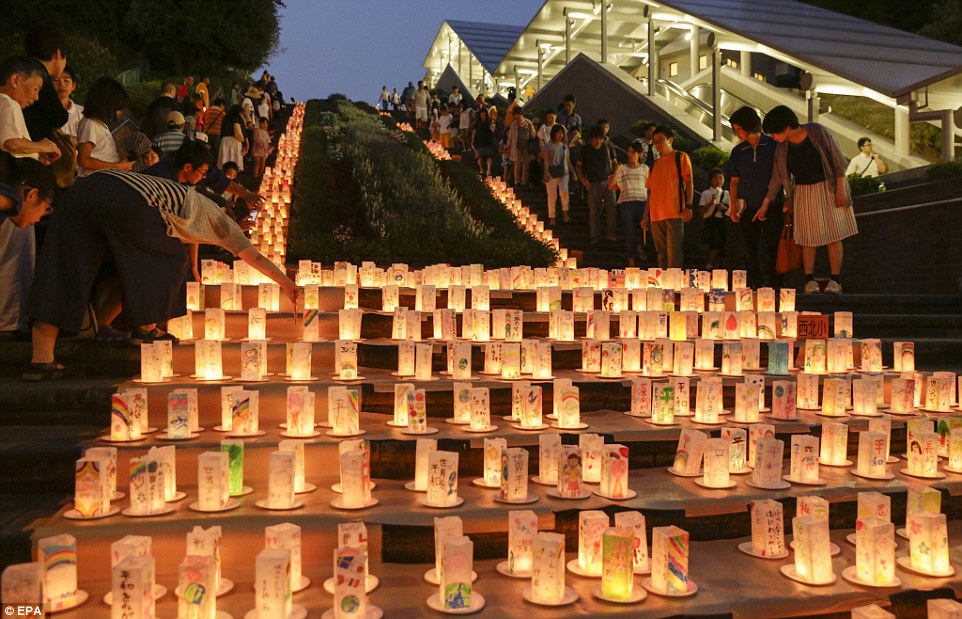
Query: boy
667, 200
714, 205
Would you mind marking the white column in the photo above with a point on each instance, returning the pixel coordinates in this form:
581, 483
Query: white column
745, 63
813, 103
902, 126
604, 32
540, 63
948, 135
694, 48
652, 58
568, 23
460, 64
716, 125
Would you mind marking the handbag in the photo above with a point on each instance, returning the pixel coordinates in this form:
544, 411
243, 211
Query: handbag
789, 253
686, 211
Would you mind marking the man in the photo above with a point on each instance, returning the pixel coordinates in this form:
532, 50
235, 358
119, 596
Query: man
213, 118
407, 97
46, 113
750, 170
568, 117
454, 99
668, 199
594, 169
172, 139
156, 119
21, 81
544, 131
647, 133
184, 90
203, 90
866, 162
421, 99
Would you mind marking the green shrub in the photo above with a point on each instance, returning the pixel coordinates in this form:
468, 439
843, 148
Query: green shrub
943, 170
863, 185
639, 126
383, 197
708, 157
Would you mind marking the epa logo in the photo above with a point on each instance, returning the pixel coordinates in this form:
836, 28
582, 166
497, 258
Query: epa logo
22, 610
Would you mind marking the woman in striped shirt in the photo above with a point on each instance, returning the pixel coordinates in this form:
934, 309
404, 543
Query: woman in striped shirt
631, 180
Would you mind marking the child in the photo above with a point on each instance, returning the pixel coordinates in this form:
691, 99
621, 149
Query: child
714, 208
444, 127
465, 124
262, 147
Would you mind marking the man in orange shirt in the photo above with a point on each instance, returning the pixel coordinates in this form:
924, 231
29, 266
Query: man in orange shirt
670, 191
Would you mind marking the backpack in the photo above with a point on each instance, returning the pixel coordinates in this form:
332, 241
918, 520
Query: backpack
686, 212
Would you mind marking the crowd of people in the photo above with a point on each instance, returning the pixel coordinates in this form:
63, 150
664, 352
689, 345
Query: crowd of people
779, 167
130, 201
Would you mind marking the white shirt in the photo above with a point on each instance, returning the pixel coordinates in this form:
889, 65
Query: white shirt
862, 162
544, 135
75, 114
12, 124
632, 182
708, 199
104, 149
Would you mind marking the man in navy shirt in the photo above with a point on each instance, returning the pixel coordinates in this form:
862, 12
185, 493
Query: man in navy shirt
191, 165
750, 170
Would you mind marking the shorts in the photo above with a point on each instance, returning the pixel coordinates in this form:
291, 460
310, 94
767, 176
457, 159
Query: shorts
421, 113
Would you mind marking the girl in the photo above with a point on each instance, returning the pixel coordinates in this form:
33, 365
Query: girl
557, 170
96, 149
631, 180
483, 141
262, 147
810, 167
233, 143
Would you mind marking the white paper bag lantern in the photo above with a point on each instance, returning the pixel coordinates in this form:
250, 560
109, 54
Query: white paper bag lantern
716, 464
214, 324
690, 452
288, 537
514, 475
663, 404
815, 357
442, 489
570, 481
92, 487
456, 574
548, 568
611, 359
592, 447
875, 551
614, 472
903, 359
834, 444
355, 479
212, 480
350, 589
123, 426
568, 406
549, 451
641, 397
769, 454
872, 455
813, 560
58, 556
146, 486
151, 363
708, 402
768, 528
746, 403
902, 398
195, 296
480, 409
804, 459
924, 455
300, 411
591, 527
807, 391
532, 411
669, 560
617, 576
635, 522
542, 360
493, 447
343, 411
132, 588
929, 543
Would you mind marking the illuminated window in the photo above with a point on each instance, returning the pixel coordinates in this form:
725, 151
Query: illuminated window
731, 62
702, 62
759, 76
673, 69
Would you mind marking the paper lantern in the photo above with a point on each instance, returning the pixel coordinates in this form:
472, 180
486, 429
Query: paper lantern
58, 557
230, 298
455, 575
813, 559
591, 527
590, 355
783, 399
195, 296
343, 411
355, 480
442, 489
955, 449
548, 298
640, 397
614, 472
768, 529
349, 324
872, 456
592, 448
716, 464
137, 408
481, 297
461, 410
669, 560
182, 327
390, 295
903, 358
511, 361
480, 409
245, 413
493, 464
807, 391
422, 362
350, 593
938, 392
737, 449
548, 571
611, 359
166, 458
132, 587
146, 487
871, 355
300, 411
768, 463
92, 487
212, 480
151, 368
617, 575
690, 452
257, 323
864, 397
532, 410
514, 475
208, 362
461, 362
122, 427
943, 609
746, 403
875, 552
924, 455
424, 447
456, 297
493, 357
288, 536
214, 324
268, 296
272, 584
345, 360
233, 449
756, 432
443, 529
922, 499
568, 406
804, 459
110, 454
542, 360
815, 357
834, 444
297, 449
708, 402
663, 404
402, 392
683, 358
549, 451
354, 535
207, 543
903, 396
929, 543
570, 481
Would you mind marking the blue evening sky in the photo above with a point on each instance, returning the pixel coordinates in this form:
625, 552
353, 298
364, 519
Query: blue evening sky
356, 46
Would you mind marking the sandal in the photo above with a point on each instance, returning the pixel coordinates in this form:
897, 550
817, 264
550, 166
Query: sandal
42, 372
154, 335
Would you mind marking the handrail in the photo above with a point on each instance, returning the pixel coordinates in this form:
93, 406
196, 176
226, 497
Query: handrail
910, 207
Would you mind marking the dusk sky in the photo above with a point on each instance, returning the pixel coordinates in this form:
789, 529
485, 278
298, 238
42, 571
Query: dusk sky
356, 46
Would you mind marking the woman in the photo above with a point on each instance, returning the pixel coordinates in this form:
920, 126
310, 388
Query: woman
810, 167
631, 180
144, 222
557, 170
96, 149
233, 143
484, 141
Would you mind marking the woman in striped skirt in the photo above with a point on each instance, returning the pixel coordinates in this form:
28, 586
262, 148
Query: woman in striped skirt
810, 167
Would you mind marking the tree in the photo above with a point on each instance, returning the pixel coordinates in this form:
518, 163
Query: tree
946, 23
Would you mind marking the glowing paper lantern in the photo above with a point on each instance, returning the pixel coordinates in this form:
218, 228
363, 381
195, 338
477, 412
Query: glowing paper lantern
768, 463
591, 527
807, 391
208, 362
345, 359
402, 392
834, 444
549, 450
929, 543
592, 450
614, 472
746, 403
640, 397
122, 426
938, 392
297, 449
708, 402
568, 406
355, 479
132, 588
343, 411
737, 449
813, 559
570, 484
58, 557
617, 575
690, 452
272, 584
875, 551
955, 449
257, 323
611, 359
234, 450
924, 455
212, 480
480, 409
514, 475
542, 360
424, 447
92, 487
902, 396
245, 413
804, 459
288, 536
663, 404
903, 358
214, 324
442, 490
872, 455
299, 361
146, 486
195, 296
768, 528
462, 403
669, 560
532, 411
704, 354
815, 357
548, 571
864, 397
456, 573
716, 464
461, 361
151, 364
300, 411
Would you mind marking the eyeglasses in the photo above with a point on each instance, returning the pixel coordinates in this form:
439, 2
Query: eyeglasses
659, 140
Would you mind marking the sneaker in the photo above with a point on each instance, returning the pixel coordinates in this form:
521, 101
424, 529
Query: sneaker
833, 287
812, 287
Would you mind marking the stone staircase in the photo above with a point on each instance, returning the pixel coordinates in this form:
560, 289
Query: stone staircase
44, 427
